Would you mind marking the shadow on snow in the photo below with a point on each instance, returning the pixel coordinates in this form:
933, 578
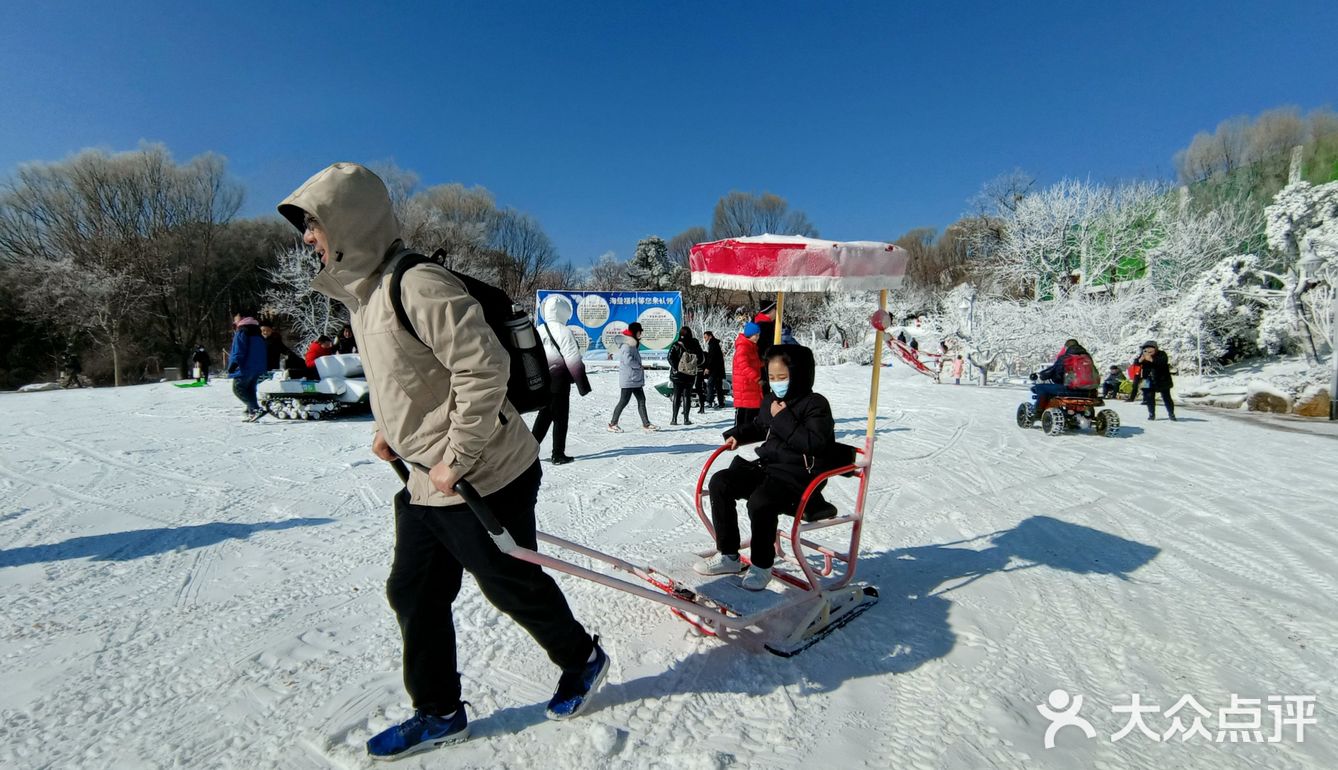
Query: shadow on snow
907, 628
124, 546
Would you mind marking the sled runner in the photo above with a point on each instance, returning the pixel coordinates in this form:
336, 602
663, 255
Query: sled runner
813, 592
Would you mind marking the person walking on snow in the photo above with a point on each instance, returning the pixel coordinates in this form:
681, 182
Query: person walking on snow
957, 365
566, 368
715, 371
631, 377
246, 361
200, 360
747, 383
685, 361
439, 402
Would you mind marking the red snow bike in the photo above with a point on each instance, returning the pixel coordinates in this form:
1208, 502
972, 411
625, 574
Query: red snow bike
813, 593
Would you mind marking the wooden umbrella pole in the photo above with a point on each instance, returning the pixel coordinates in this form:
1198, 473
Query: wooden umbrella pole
780, 313
873, 393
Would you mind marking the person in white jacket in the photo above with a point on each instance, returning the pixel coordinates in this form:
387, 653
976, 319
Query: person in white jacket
567, 368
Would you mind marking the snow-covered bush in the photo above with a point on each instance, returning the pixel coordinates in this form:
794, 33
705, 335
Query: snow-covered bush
1217, 317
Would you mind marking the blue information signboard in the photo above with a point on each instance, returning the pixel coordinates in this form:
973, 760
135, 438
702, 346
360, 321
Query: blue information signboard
597, 318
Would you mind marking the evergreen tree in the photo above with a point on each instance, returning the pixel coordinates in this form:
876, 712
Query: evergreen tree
650, 268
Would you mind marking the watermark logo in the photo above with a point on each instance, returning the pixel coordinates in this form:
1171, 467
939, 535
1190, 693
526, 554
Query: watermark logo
1243, 721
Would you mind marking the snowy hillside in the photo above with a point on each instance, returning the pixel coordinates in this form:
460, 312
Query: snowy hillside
185, 590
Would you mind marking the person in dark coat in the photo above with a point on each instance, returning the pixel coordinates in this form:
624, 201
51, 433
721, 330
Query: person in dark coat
275, 348
1110, 387
346, 343
686, 359
767, 335
797, 430
200, 360
1155, 368
246, 361
715, 371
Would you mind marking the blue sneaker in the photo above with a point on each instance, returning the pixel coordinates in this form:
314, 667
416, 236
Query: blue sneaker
419, 732
573, 690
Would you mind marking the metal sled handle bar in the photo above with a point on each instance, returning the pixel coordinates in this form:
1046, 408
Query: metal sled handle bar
468, 493
511, 548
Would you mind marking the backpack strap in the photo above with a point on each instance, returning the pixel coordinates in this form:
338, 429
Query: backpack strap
406, 263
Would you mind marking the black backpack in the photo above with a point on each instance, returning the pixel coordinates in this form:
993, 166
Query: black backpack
527, 388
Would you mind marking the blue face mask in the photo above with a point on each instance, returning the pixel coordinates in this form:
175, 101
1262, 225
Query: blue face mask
780, 388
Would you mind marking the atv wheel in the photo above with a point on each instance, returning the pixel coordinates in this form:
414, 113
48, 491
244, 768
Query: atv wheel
1026, 415
1054, 421
1107, 423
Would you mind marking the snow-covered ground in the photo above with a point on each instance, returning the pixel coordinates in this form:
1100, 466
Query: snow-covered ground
185, 590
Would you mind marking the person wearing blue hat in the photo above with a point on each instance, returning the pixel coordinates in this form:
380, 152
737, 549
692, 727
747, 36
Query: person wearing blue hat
746, 386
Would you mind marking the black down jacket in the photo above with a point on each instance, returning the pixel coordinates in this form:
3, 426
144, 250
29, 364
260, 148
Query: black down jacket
799, 439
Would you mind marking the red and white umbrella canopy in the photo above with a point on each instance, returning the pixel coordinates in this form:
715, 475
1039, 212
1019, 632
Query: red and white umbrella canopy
794, 263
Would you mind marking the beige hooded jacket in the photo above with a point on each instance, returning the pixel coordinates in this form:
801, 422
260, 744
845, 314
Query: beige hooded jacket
443, 399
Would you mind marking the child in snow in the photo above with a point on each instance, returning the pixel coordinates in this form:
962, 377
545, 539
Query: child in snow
957, 365
797, 429
1111, 385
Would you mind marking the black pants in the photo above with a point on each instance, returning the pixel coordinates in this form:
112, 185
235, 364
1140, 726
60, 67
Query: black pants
682, 395
715, 390
244, 388
744, 416
640, 405
767, 496
555, 414
433, 546
1150, 400
1110, 389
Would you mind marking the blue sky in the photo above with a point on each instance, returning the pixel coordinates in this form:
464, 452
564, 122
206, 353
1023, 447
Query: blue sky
613, 121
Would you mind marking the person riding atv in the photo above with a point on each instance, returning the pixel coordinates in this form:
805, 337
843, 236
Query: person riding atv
1072, 374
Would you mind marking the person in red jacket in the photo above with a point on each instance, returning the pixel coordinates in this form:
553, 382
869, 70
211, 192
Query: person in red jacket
747, 383
323, 346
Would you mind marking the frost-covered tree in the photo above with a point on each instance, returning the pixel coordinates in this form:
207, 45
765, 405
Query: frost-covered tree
1302, 229
1000, 332
85, 299
1042, 236
650, 268
1217, 318
1191, 240
135, 218
457, 219
310, 313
